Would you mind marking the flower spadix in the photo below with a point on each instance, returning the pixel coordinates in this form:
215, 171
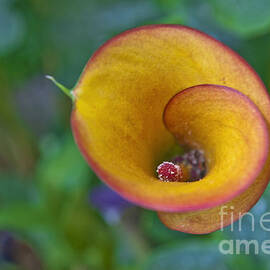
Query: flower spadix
152, 88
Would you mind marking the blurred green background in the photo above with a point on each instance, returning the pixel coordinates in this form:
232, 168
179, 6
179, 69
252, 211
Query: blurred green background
54, 212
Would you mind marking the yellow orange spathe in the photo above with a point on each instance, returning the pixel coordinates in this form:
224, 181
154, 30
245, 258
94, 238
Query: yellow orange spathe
118, 118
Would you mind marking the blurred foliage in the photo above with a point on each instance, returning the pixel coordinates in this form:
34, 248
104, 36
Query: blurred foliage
47, 220
245, 18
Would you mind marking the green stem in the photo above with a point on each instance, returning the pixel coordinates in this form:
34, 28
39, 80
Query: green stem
68, 92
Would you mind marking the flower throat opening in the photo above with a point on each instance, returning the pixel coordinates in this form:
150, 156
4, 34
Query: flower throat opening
188, 167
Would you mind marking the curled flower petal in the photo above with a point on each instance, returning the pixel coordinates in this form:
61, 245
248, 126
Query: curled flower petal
234, 131
118, 125
231, 131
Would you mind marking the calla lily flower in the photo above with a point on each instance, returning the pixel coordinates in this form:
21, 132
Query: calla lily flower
153, 88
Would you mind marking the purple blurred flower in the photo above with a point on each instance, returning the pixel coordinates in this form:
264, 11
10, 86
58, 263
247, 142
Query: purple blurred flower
109, 203
6, 246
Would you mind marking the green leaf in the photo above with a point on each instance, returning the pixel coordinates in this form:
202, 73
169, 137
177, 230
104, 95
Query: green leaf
15, 190
157, 232
62, 172
64, 169
23, 216
190, 255
245, 17
7, 266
